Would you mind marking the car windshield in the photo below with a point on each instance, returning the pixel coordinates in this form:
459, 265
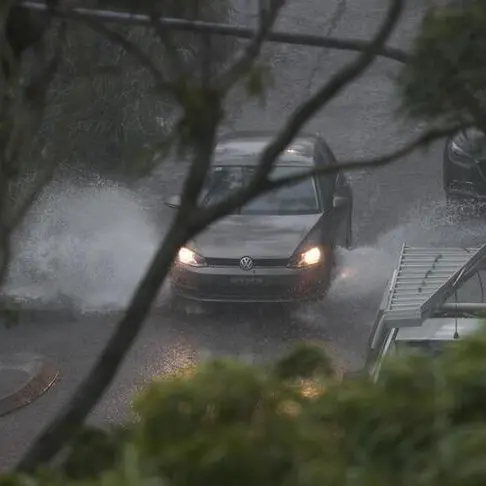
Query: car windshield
299, 198
472, 141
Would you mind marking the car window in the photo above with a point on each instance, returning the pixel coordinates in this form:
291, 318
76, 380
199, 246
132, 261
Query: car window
299, 198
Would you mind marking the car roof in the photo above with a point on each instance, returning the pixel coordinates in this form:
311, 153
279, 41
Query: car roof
439, 329
243, 148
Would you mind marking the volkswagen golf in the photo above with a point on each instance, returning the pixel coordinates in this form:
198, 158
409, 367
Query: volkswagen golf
278, 247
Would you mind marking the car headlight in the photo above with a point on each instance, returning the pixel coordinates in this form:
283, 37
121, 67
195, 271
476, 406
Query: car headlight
186, 256
460, 157
308, 258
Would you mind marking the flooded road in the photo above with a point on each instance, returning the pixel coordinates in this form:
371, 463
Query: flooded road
402, 202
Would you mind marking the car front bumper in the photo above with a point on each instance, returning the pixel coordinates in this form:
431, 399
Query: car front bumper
231, 284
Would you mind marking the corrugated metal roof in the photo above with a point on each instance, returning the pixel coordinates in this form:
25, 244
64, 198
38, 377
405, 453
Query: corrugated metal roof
421, 282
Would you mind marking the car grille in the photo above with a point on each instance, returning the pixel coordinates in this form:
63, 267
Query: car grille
235, 262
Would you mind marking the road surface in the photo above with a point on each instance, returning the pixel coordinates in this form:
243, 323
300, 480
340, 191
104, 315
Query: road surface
393, 204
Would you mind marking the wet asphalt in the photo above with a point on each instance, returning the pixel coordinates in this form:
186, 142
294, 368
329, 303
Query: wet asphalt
402, 202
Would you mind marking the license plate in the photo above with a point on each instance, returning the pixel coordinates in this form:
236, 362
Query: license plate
246, 280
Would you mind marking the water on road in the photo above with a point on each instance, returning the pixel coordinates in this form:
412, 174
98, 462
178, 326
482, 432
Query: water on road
91, 244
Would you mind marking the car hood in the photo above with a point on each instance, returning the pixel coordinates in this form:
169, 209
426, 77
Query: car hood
258, 236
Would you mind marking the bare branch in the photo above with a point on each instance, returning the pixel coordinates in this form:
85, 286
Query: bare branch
164, 37
50, 442
68, 421
422, 141
229, 30
333, 87
204, 217
203, 145
101, 375
248, 55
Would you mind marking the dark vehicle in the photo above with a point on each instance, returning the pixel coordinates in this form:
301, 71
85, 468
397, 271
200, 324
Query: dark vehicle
464, 168
280, 246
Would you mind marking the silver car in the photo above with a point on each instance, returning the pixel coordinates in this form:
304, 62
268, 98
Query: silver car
280, 246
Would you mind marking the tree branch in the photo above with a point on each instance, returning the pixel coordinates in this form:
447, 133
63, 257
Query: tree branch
86, 396
247, 56
204, 217
165, 39
229, 30
422, 141
71, 417
325, 94
67, 422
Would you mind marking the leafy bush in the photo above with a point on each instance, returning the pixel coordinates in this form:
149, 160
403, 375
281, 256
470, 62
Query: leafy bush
423, 423
445, 75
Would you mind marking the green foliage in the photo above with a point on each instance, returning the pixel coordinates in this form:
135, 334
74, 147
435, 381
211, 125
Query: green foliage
304, 362
422, 423
445, 75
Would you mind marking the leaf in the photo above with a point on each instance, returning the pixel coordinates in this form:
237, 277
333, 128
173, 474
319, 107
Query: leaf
445, 75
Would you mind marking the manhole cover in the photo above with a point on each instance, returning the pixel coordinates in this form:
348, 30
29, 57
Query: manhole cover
24, 377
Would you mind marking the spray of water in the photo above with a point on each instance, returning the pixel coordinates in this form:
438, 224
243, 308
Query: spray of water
88, 246
364, 271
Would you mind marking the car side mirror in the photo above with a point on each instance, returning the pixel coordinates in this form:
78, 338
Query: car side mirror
339, 202
173, 202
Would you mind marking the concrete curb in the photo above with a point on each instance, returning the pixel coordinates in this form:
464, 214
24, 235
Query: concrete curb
41, 374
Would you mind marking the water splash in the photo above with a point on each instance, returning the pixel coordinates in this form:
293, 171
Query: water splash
86, 245
364, 271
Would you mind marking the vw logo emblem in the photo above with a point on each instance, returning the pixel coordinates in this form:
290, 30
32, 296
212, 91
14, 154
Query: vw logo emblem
246, 263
